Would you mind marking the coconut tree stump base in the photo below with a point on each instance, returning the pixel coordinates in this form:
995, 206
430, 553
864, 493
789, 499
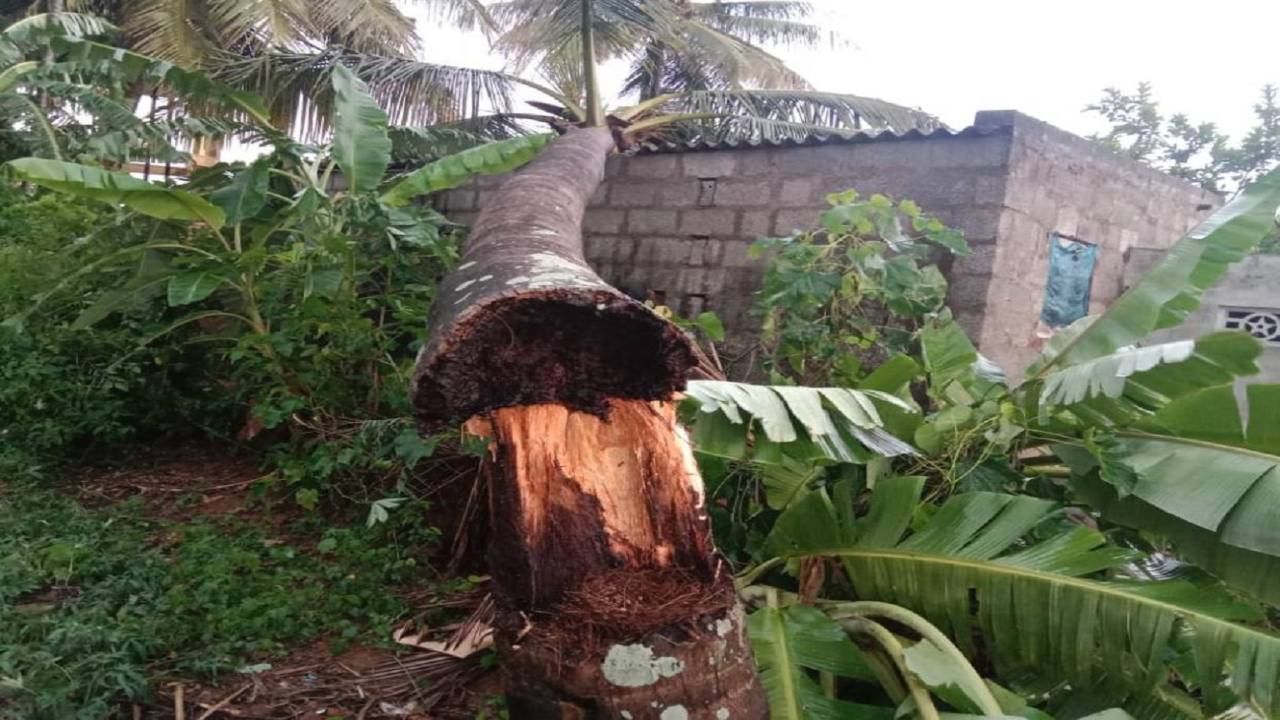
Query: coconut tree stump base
698, 668
611, 597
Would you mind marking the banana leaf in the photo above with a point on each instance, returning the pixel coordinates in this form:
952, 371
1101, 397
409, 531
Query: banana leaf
361, 147
1207, 478
97, 184
789, 640
839, 424
1030, 605
450, 171
1130, 385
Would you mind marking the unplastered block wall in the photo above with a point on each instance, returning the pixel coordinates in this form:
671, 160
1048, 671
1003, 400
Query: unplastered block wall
1064, 183
677, 227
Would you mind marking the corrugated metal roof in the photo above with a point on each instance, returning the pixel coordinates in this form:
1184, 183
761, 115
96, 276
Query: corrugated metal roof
707, 144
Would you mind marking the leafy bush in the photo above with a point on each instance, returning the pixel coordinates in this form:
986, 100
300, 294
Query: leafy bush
288, 314
64, 392
848, 295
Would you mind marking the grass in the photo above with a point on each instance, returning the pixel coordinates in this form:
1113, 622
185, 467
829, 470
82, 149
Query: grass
98, 605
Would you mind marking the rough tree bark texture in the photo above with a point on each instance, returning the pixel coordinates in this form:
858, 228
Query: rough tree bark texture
612, 600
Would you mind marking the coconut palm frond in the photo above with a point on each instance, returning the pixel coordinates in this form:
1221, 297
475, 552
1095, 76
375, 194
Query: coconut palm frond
271, 23
771, 115
37, 28
169, 30
708, 59
465, 14
534, 29
367, 25
769, 30
765, 9
416, 146
298, 91
741, 63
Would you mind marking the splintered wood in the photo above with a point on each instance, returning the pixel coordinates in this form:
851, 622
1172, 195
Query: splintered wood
587, 494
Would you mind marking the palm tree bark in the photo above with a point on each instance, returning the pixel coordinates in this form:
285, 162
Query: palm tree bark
612, 601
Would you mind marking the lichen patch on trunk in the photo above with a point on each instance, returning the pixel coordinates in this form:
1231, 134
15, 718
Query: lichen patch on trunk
636, 666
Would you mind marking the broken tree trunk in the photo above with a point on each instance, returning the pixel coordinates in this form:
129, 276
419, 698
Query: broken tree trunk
612, 601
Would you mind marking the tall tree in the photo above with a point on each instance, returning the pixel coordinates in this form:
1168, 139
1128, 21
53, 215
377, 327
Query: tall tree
1259, 152
1195, 151
685, 44
285, 51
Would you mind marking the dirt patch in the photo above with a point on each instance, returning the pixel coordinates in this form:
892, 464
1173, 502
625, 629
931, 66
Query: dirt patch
183, 484
173, 484
363, 682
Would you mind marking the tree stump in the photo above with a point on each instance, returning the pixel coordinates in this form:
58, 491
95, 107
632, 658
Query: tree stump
612, 601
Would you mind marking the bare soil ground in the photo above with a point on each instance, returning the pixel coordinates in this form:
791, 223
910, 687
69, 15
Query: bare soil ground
310, 682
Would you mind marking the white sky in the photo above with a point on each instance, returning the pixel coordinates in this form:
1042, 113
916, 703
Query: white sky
1048, 60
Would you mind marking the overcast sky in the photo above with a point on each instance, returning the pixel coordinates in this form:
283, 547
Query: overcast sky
1047, 59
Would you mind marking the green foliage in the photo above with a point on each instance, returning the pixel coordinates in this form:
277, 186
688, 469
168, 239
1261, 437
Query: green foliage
97, 184
361, 147
1164, 370
970, 531
787, 641
1259, 151
845, 297
834, 423
303, 303
1225, 525
1038, 607
1194, 151
450, 171
62, 390
95, 603
63, 95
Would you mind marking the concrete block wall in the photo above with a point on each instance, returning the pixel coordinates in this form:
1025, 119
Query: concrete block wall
1064, 183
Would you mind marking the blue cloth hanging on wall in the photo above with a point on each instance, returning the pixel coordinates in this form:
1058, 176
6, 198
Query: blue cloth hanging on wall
1066, 294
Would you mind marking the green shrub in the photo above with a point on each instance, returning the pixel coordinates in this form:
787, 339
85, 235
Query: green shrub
297, 341
840, 299
64, 392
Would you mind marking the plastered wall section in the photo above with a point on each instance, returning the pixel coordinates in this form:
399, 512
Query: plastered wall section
1061, 182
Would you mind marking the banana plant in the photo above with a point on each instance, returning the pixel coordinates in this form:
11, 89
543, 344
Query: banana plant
1153, 435
1150, 436
20, 108
218, 235
1021, 592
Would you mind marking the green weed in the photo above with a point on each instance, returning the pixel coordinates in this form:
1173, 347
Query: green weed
96, 605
